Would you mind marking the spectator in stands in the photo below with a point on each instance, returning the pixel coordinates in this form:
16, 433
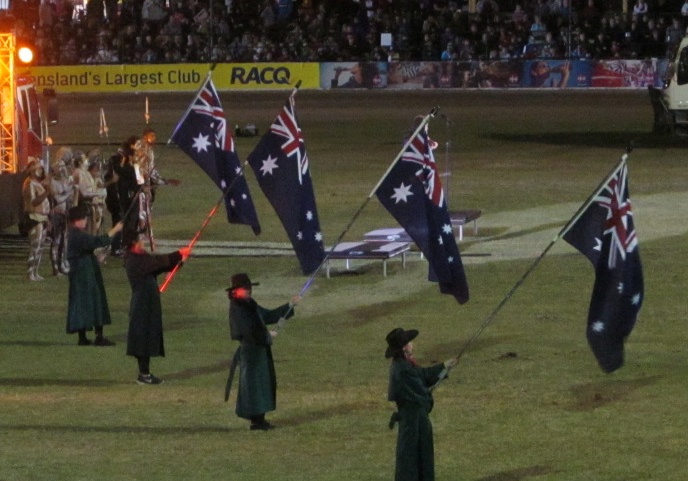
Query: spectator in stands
520, 16
640, 7
673, 36
448, 53
655, 47
601, 46
538, 30
153, 12
590, 12
684, 9
486, 9
550, 48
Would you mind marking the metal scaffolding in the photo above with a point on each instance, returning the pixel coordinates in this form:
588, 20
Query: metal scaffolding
8, 115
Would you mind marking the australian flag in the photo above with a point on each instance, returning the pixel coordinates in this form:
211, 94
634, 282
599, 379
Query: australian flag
280, 163
605, 234
412, 193
203, 135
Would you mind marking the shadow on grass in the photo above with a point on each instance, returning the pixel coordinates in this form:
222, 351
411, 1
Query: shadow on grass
327, 413
33, 343
159, 430
220, 366
520, 233
590, 396
520, 473
638, 139
38, 382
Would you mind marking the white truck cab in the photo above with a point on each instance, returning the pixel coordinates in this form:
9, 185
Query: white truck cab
670, 103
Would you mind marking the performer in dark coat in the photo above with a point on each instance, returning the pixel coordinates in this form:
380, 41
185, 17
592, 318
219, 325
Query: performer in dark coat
409, 388
145, 339
88, 306
247, 324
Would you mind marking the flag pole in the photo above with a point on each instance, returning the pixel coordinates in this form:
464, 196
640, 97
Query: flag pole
188, 109
205, 223
281, 323
445, 372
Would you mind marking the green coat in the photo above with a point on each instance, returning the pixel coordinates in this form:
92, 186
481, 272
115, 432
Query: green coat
145, 311
88, 306
257, 382
409, 387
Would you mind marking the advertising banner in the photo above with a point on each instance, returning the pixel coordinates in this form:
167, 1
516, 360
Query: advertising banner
500, 74
413, 75
352, 75
624, 73
172, 77
556, 73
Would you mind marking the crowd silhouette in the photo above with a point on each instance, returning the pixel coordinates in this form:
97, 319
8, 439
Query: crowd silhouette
178, 31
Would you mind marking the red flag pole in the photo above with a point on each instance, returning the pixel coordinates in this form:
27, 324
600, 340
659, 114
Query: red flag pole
195, 238
210, 215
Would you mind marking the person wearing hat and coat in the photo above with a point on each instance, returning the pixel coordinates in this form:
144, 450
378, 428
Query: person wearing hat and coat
144, 338
88, 307
248, 323
409, 388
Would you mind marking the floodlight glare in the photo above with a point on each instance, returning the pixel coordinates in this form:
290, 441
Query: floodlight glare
25, 55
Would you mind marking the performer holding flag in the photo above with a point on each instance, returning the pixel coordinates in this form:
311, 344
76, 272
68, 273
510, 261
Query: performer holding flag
409, 388
248, 323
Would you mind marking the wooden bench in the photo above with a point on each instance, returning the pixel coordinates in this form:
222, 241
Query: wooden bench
459, 218
383, 251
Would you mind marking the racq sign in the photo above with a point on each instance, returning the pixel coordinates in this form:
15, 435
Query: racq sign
173, 77
260, 76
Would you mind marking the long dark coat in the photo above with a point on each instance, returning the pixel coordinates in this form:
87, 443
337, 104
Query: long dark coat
88, 306
257, 382
145, 311
409, 388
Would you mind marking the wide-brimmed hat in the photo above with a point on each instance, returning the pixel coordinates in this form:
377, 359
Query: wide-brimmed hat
77, 212
241, 280
397, 339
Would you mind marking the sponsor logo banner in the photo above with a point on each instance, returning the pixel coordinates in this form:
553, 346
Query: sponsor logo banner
171, 78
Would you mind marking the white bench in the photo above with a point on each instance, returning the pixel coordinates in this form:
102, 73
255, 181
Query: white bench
365, 250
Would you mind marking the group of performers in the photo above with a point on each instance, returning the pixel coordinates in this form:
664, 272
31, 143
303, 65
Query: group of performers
127, 189
129, 177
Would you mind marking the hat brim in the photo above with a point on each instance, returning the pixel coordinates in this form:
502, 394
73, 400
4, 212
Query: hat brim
407, 337
238, 287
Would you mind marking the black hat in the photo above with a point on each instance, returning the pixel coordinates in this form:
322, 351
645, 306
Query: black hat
241, 280
397, 339
77, 212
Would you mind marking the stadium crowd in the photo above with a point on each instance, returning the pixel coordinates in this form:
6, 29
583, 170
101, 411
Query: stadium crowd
173, 31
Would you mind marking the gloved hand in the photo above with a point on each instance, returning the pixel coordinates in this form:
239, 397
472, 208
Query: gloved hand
450, 363
185, 252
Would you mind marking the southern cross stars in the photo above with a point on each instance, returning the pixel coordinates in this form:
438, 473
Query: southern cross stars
269, 165
402, 193
201, 143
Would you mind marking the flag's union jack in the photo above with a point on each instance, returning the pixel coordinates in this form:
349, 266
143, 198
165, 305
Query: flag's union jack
618, 225
286, 126
419, 152
208, 103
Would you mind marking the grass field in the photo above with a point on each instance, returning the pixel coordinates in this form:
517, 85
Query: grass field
527, 400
